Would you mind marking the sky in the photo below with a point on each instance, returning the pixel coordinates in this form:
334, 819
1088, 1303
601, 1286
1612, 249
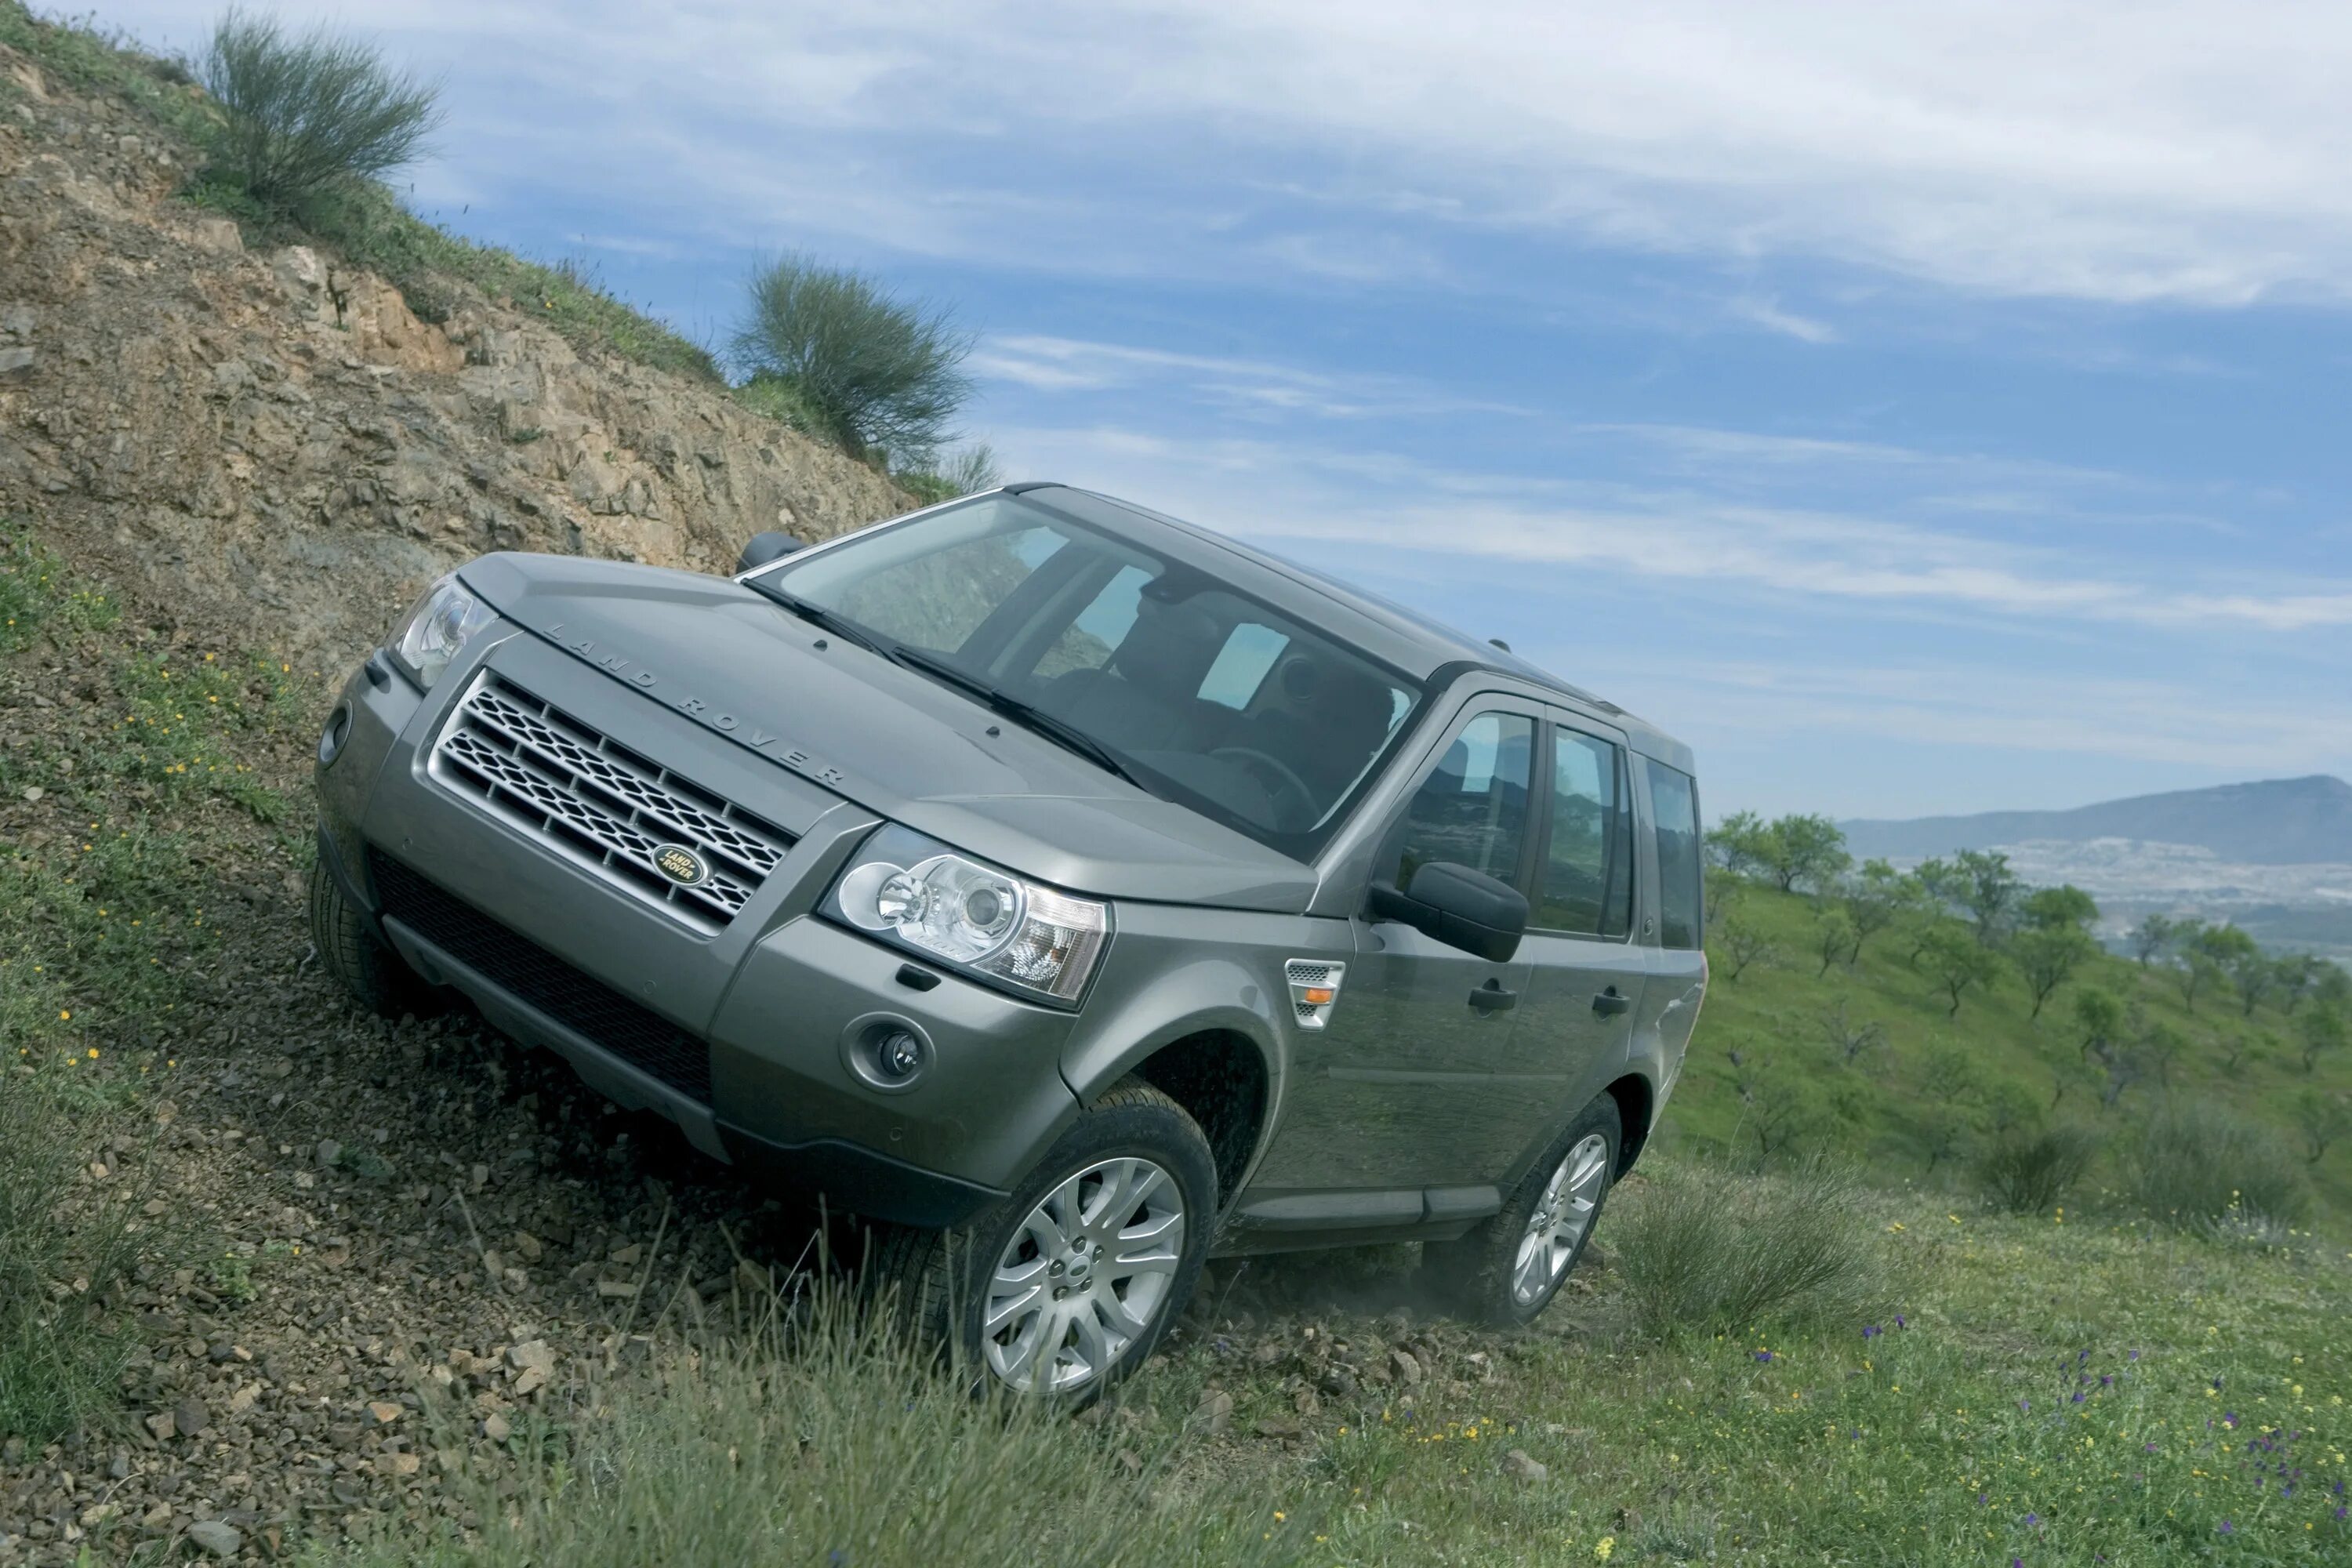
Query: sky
1916, 408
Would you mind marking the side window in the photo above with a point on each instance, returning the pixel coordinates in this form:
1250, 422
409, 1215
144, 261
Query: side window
1473, 809
1586, 879
1674, 800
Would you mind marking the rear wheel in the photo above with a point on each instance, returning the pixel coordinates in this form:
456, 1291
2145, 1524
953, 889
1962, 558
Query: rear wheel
1507, 1271
1068, 1284
376, 977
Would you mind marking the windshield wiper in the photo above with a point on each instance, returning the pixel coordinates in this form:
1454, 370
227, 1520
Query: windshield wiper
1028, 714
818, 615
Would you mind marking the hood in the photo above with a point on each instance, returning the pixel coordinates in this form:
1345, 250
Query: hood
894, 741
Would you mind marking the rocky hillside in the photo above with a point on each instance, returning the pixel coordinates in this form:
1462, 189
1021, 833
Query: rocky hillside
272, 440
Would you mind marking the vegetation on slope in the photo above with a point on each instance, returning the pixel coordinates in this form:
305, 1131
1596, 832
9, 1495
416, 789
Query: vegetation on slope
1920, 1021
289, 133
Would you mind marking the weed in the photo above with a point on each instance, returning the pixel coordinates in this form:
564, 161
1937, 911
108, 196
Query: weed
1702, 1250
2028, 1170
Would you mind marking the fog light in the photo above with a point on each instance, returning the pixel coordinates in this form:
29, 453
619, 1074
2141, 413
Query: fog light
898, 1054
886, 1051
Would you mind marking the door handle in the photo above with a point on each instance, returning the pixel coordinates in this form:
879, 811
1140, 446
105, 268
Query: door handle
1492, 998
1608, 1004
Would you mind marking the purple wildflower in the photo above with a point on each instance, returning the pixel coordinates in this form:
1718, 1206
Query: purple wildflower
1872, 1330
1763, 1355
2227, 1529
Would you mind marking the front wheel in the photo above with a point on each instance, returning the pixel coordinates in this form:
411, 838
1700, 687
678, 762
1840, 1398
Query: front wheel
1067, 1284
1507, 1271
373, 974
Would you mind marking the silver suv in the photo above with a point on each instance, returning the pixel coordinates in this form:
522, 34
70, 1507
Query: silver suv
1046, 871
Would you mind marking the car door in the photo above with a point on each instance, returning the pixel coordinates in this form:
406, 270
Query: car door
1585, 992
1397, 1092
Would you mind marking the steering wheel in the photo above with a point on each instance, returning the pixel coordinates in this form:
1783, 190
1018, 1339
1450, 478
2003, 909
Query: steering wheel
1285, 780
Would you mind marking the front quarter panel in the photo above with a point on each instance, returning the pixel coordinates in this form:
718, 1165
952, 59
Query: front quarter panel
1173, 972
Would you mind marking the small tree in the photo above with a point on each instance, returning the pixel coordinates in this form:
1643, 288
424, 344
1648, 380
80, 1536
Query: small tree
2323, 1119
2098, 1017
1833, 939
1737, 844
300, 115
1957, 962
1988, 889
1852, 1038
2047, 955
1800, 849
874, 371
2294, 977
2321, 1032
1740, 945
2152, 939
2230, 953
2060, 907
1875, 898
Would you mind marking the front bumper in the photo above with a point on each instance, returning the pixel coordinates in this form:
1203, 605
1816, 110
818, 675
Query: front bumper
741, 1036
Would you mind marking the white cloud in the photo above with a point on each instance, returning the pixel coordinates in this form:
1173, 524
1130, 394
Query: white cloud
1299, 494
1043, 362
2184, 150
1769, 315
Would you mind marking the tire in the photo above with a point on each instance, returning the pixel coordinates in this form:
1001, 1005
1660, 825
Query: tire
376, 977
1502, 1273
1012, 1257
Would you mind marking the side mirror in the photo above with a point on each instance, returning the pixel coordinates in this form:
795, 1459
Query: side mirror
763, 548
1461, 907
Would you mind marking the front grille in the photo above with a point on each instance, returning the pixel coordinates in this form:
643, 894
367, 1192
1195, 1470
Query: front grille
602, 805
514, 963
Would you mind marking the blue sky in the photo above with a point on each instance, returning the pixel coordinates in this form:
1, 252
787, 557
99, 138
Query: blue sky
1916, 408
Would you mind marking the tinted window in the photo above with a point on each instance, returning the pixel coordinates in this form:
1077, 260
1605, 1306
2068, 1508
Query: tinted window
1205, 695
1674, 798
1473, 809
1585, 885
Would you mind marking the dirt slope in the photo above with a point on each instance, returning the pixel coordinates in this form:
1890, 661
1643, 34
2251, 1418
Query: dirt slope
278, 442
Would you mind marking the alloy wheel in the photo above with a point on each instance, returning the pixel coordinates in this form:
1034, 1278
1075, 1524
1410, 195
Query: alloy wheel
1085, 1275
1561, 1216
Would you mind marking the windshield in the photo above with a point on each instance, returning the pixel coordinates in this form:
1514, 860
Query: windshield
1202, 694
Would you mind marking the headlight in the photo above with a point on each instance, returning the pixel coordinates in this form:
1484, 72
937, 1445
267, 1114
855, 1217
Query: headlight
925, 896
437, 628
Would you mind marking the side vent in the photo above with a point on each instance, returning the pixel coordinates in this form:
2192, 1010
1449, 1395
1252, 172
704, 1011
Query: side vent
1314, 989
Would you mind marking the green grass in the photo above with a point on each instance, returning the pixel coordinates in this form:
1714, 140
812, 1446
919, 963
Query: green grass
2059, 1393
1940, 1090
101, 927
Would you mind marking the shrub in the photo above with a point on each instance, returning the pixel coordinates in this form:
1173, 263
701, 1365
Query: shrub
834, 1444
1706, 1249
969, 472
302, 115
2201, 1169
871, 370
2028, 1170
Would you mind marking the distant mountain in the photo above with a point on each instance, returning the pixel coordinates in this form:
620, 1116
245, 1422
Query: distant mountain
2276, 822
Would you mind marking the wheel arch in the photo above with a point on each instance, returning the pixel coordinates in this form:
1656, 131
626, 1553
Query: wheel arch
1637, 1100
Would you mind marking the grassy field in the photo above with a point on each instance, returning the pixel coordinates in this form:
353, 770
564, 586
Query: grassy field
2037, 1391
